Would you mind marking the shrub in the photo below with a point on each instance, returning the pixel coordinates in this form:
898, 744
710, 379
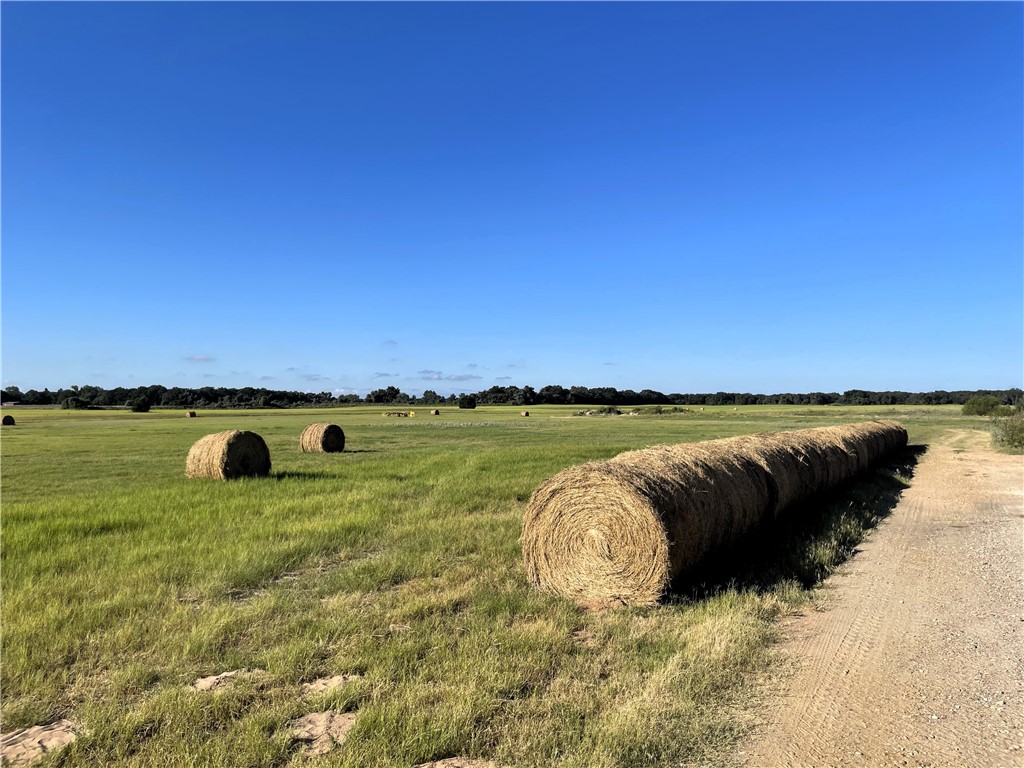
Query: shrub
73, 404
141, 405
467, 401
1009, 431
981, 406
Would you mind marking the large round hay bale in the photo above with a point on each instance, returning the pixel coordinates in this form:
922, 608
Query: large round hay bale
435, 412
190, 414
524, 413
8, 420
227, 455
620, 530
322, 438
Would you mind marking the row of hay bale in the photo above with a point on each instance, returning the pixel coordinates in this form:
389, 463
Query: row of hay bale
240, 453
620, 530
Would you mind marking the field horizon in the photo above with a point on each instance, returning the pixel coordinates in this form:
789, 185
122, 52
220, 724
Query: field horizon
395, 566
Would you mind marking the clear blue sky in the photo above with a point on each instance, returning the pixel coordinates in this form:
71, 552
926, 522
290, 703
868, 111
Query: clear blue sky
681, 196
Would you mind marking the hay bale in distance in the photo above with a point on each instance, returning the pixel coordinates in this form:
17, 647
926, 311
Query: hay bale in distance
435, 412
619, 531
190, 414
322, 438
227, 455
8, 420
524, 413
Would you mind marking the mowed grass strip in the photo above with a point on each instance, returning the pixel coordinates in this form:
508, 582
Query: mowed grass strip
396, 563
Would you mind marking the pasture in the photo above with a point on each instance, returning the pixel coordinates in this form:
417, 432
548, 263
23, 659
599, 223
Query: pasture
396, 564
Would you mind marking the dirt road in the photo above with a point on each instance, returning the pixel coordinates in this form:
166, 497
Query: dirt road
918, 657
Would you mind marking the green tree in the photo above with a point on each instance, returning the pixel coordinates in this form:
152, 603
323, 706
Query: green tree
981, 406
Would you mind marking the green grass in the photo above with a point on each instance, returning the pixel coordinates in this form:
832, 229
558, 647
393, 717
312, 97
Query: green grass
399, 561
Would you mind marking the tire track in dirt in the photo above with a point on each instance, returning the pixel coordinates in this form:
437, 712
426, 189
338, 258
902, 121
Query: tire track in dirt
918, 656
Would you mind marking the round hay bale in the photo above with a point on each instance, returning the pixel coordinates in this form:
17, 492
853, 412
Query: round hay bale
435, 412
524, 413
8, 420
322, 438
619, 531
190, 414
227, 455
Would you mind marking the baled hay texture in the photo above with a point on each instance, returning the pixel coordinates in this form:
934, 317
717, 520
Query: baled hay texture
621, 530
524, 413
435, 412
227, 455
322, 438
8, 421
190, 414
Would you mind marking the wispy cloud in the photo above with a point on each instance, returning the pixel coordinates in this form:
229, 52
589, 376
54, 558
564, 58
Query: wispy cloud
389, 343
199, 359
314, 377
431, 375
290, 370
608, 364
383, 375
503, 378
267, 378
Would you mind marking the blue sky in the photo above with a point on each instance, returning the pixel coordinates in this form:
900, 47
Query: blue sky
678, 196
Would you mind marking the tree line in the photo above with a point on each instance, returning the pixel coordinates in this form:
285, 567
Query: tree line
156, 395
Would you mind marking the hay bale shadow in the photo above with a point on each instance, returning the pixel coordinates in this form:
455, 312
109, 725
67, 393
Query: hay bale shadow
299, 475
809, 541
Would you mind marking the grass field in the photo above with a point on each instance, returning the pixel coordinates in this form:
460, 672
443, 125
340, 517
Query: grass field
397, 563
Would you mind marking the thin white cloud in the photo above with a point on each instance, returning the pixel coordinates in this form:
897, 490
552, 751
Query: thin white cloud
199, 359
383, 375
314, 377
432, 375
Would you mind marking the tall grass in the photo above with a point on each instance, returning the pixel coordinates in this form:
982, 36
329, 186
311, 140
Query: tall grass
398, 562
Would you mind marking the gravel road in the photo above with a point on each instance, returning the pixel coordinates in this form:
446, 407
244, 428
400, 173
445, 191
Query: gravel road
918, 656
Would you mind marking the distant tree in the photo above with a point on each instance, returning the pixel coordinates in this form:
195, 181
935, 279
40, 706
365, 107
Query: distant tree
981, 406
430, 397
12, 395
553, 394
467, 401
73, 404
391, 394
141, 405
